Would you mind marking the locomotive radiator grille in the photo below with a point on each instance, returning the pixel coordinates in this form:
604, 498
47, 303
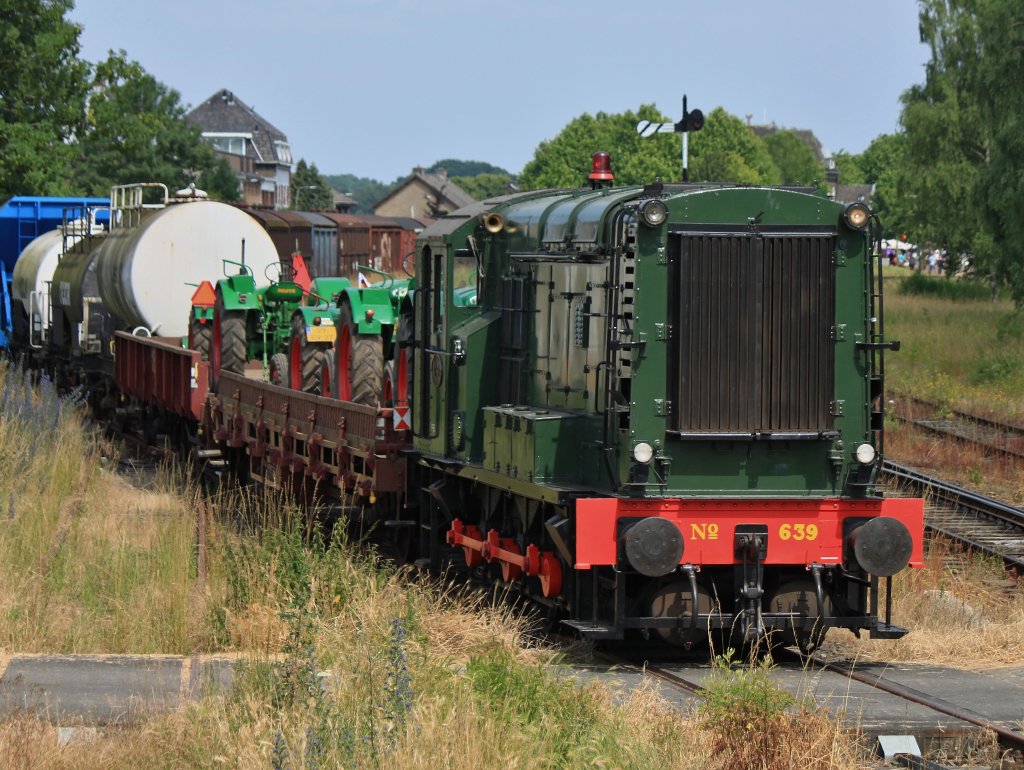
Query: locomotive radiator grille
754, 352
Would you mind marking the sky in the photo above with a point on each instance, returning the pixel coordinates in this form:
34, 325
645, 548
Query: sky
376, 87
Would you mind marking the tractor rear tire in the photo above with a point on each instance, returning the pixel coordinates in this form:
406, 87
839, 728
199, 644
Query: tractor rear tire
304, 359
277, 371
199, 336
360, 377
227, 348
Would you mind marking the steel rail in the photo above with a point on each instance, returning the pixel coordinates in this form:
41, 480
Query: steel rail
1012, 738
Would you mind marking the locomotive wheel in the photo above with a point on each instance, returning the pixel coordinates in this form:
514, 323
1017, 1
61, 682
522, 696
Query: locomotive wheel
278, 369
304, 359
798, 597
199, 335
227, 348
360, 362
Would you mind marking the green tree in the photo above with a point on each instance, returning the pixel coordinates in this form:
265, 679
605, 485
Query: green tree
883, 165
461, 168
964, 158
43, 85
726, 150
363, 190
796, 162
850, 168
136, 132
310, 191
221, 182
565, 161
484, 186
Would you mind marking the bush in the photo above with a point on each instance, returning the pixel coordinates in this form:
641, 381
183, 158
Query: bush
956, 290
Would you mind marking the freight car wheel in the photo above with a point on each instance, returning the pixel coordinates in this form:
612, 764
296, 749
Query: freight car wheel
304, 359
278, 369
227, 348
199, 334
360, 362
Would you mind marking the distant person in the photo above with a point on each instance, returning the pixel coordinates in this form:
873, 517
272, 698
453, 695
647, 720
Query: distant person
933, 261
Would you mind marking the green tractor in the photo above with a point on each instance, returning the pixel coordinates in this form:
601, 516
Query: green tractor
347, 348
313, 336
254, 323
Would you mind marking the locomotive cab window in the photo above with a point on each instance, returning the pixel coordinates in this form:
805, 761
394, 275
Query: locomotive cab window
464, 280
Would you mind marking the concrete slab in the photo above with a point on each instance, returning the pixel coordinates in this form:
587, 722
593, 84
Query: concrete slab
90, 689
998, 695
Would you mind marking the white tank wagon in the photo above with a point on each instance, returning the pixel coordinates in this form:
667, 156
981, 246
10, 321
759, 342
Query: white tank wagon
33, 275
149, 265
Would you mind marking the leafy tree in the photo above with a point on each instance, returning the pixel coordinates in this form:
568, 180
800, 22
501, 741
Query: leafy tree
883, 165
565, 161
725, 150
850, 168
462, 168
484, 186
796, 162
310, 191
363, 190
136, 132
965, 152
42, 95
221, 182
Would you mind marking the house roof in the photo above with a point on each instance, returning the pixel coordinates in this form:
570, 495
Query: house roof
439, 184
224, 113
804, 134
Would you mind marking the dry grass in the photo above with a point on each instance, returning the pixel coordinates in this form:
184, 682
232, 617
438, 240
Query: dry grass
965, 464
968, 355
957, 596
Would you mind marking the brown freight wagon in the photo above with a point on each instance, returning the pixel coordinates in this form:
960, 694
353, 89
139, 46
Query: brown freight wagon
310, 233
382, 243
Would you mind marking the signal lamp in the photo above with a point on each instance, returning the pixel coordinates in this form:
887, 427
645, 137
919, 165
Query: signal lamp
601, 167
369, 314
856, 216
865, 454
653, 213
316, 321
643, 452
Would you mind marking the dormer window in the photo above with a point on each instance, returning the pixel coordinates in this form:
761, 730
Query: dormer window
232, 144
283, 151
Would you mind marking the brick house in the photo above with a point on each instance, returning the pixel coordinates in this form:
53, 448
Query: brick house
423, 196
257, 151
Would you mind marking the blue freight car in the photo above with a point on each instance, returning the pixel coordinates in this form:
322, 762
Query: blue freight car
23, 218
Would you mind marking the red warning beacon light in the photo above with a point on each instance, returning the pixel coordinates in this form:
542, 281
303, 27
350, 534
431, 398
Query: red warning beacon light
601, 169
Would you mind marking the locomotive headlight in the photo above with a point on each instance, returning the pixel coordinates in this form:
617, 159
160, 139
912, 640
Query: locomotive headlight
865, 454
653, 213
643, 452
857, 216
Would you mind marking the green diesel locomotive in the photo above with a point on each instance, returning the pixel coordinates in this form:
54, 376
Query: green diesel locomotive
663, 414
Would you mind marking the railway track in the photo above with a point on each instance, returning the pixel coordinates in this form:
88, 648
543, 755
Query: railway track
989, 435
973, 520
795, 671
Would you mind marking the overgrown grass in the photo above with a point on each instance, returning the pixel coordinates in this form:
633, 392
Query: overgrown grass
943, 287
754, 723
967, 354
346, 661
87, 562
957, 596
